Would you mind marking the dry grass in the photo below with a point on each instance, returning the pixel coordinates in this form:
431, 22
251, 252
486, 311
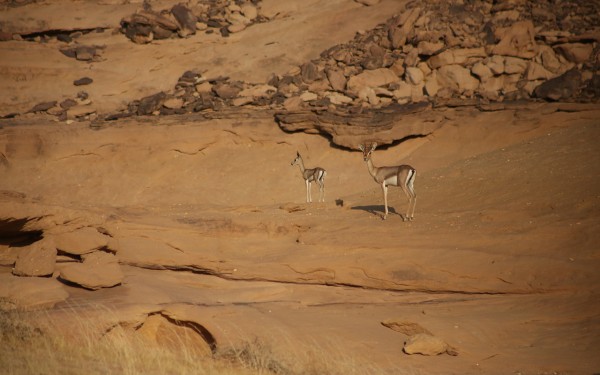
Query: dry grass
32, 343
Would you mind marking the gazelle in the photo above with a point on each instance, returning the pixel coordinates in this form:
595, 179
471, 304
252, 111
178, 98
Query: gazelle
315, 174
401, 175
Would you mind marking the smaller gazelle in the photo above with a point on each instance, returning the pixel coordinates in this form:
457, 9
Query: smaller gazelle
315, 174
401, 175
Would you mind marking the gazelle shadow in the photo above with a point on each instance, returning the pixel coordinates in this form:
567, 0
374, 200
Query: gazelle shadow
376, 210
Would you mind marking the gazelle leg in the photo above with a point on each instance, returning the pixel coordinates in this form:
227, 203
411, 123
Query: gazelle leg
321, 191
414, 203
385, 200
307, 191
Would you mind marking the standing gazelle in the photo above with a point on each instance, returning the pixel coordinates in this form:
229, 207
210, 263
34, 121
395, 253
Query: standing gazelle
401, 175
315, 174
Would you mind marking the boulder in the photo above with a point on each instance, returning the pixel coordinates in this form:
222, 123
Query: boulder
561, 87
414, 75
575, 52
518, 41
80, 241
398, 33
186, 20
336, 78
173, 103
456, 78
482, 71
460, 56
98, 270
37, 259
149, 104
536, 71
426, 344
514, 65
371, 78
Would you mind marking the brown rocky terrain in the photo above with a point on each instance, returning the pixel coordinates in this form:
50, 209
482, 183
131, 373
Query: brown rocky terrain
145, 154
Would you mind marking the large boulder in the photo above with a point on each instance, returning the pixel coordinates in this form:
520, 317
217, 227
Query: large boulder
518, 41
98, 270
562, 87
81, 241
456, 78
37, 259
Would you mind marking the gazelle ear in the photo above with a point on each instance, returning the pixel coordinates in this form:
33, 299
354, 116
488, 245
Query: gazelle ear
373, 146
297, 153
361, 147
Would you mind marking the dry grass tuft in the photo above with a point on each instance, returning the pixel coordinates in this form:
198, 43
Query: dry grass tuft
35, 343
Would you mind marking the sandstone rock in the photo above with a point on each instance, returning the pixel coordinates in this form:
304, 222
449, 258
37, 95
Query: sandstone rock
561, 87
80, 241
226, 90
482, 71
397, 34
259, 91
173, 103
427, 48
293, 103
457, 56
518, 41
249, 11
403, 91
514, 65
204, 87
496, 64
308, 96
42, 107
371, 78
150, 104
338, 98
456, 78
368, 2
309, 72
83, 81
98, 270
536, 71
186, 20
28, 293
549, 59
336, 78
575, 52
414, 75
426, 344
236, 27
431, 85
80, 111
37, 259
367, 94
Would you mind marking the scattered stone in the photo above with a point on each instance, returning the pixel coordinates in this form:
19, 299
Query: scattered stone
427, 344
43, 107
575, 52
83, 81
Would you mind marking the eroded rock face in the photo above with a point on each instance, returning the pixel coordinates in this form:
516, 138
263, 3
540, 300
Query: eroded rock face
30, 292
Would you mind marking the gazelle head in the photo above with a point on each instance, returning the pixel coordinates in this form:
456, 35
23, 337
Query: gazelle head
367, 150
297, 160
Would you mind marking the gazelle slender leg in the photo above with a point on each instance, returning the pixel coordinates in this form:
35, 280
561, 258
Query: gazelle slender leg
321, 191
384, 186
307, 191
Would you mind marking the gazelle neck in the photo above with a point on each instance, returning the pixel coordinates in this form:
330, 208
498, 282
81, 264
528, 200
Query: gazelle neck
371, 167
301, 164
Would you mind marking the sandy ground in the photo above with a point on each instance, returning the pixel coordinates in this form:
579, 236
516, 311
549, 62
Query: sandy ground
211, 226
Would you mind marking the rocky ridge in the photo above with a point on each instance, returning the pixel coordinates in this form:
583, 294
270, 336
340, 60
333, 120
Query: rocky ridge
433, 54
